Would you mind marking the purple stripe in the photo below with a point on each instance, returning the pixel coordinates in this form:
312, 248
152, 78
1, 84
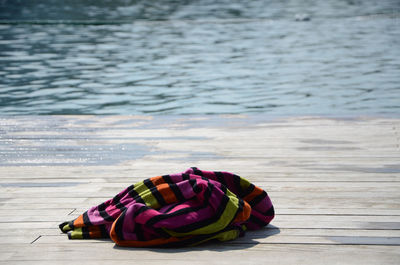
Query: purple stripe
185, 219
95, 217
186, 189
142, 218
129, 224
263, 205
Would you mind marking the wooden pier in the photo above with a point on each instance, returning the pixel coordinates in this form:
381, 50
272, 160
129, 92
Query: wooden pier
335, 184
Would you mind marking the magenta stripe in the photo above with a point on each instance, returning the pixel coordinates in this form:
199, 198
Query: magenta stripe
129, 224
143, 217
94, 216
188, 218
263, 205
186, 189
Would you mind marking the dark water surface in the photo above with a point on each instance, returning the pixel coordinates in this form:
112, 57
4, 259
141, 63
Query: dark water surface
200, 57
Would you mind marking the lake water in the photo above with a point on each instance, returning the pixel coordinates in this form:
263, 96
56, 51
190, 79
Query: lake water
200, 57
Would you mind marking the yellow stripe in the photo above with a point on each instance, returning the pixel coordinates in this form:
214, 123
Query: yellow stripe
77, 233
225, 219
145, 193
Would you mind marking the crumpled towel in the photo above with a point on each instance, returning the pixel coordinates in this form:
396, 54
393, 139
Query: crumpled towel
182, 209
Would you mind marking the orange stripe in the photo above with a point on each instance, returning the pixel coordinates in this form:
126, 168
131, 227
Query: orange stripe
79, 221
257, 191
167, 193
244, 214
157, 180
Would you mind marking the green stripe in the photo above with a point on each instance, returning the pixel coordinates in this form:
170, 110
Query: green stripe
66, 228
226, 218
223, 236
77, 233
145, 193
244, 183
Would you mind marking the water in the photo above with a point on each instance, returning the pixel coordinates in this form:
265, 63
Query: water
200, 57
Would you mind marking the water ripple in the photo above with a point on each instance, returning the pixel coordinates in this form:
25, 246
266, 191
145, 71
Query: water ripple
207, 57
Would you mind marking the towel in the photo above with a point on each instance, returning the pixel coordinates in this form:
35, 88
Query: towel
183, 209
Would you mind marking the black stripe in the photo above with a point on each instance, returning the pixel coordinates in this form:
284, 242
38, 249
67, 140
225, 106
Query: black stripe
71, 224
155, 192
240, 208
139, 232
208, 192
120, 206
185, 177
86, 219
241, 205
119, 226
141, 210
177, 192
117, 199
130, 188
104, 232
224, 188
258, 199
220, 177
62, 225
236, 181
103, 213
167, 179
270, 211
206, 179
196, 188
162, 233
172, 206
205, 222
257, 221
85, 232
197, 172
136, 196
249, 190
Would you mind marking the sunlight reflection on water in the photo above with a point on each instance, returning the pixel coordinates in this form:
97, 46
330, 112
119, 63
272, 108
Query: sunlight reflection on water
201, 61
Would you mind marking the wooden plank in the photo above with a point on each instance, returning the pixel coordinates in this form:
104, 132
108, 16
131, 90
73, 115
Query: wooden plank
306, 201
333, 211
277, 193
334, 184
95, 193
53, 189
275, 239
28, 233
271, 230
281, 221
121, 177
29, 225
62, 210
212, 254
45, 214
12, 239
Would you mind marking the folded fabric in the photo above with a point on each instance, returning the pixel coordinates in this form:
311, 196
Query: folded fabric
177, 210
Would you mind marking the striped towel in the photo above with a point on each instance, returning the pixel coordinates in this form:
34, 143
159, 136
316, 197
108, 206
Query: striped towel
177, 210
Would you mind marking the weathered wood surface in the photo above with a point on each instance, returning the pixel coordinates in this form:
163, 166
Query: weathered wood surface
335, 184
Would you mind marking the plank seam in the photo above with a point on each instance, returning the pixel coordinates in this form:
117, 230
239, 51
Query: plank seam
36, 239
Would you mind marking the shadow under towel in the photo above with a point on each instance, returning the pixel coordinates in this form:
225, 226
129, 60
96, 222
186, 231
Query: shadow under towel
181, 209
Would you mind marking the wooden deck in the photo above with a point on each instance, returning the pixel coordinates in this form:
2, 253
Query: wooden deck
335, 184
